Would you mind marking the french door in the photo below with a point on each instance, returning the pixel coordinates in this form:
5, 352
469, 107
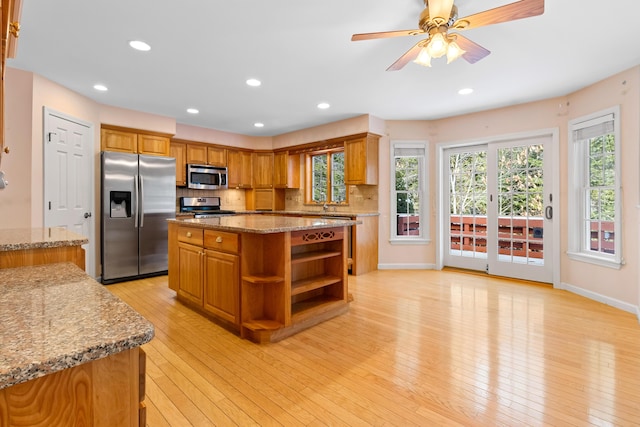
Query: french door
498, 208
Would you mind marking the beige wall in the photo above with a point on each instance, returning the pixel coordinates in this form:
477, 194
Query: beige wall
21, 203
620, 287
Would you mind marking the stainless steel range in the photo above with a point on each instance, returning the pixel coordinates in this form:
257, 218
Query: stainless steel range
203, 207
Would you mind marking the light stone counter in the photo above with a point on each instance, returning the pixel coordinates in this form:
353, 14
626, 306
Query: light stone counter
38, 238
264, 224
54, 317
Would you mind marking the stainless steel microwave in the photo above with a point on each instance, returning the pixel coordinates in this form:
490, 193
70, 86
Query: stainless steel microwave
205, 177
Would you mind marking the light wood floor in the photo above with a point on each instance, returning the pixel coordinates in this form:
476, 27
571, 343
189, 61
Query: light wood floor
417, 348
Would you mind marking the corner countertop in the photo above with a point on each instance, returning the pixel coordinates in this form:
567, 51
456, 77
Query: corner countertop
37, 238
264, 223
54, 317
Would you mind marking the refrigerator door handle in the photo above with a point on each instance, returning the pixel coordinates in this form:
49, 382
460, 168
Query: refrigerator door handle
137, 199
141, 205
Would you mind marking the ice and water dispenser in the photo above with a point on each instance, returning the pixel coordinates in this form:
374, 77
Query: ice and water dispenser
120, 204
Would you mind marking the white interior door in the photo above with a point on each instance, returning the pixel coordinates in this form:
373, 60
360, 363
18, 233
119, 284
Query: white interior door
69, 179
498, 208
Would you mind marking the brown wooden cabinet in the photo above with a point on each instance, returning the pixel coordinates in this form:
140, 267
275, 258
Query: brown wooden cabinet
361, 161
206, 273
201, 154
178, 150
222, 275
10, 11
286, 170
105, 392
239, 163
125, 140
262, 163
191, 273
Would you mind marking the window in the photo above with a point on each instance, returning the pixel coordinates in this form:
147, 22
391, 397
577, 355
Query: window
408, 192
594, 189
326, 177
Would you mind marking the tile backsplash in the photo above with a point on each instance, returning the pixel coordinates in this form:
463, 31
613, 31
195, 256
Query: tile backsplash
362, 198
229, 199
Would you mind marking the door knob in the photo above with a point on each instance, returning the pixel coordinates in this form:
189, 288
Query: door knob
87, 214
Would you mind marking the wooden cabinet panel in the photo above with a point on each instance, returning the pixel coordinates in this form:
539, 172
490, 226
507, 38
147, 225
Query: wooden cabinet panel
221, 241
286, 170
202, 154
103, 392
190, 282
126, 140
179, 151
116, 140
216, 156
262, 170
196, 154
153, 145
222, 285
191, 235
239, 165
361, 161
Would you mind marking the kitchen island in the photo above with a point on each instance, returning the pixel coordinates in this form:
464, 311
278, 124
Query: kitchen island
264, 276
69, 351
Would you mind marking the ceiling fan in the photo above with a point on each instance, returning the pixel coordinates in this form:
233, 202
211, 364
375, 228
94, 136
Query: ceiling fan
440, 16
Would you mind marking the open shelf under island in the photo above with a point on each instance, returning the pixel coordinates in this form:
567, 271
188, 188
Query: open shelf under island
264, 276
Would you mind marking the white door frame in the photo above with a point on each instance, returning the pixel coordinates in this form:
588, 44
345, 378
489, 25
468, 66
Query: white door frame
90, 248
442, 198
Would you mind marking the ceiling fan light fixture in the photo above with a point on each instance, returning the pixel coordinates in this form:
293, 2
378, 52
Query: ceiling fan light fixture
454, 52
437, 46
423, 58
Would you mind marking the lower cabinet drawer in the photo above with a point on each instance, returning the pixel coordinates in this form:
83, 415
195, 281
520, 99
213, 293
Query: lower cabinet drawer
190, 235
221, 241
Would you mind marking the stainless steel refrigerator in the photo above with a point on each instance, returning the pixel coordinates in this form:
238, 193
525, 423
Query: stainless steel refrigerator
138, 196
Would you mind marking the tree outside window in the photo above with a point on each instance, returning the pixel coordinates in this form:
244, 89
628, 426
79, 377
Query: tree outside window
408, 163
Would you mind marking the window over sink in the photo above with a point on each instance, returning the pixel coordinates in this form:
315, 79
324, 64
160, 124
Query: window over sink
325, 177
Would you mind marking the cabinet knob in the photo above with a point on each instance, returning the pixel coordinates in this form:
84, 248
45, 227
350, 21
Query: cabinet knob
188, 234
218, 239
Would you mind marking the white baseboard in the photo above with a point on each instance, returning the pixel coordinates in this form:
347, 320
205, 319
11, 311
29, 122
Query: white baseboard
601, 298
406, 266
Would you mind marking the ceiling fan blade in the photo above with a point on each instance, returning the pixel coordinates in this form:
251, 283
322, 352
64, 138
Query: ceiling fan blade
474, 52
509, 12
385, 34
440, 9
409, 55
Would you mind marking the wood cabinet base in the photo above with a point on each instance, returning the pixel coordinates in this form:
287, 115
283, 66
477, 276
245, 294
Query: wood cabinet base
105, 392
27, 257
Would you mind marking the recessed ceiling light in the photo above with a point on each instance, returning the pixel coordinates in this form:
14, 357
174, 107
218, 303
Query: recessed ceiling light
139, 45
100, 87
259, 125
465, 91
323, 105
254, 82
192, 110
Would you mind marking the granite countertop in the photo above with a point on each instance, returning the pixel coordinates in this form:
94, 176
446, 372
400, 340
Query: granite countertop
54, 317
264, 224
313, 213
37, 238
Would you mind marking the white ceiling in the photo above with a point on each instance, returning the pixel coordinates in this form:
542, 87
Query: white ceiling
204, 50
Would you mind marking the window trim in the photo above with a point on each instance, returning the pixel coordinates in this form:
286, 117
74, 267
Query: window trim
308, 175
424, 237
577, 167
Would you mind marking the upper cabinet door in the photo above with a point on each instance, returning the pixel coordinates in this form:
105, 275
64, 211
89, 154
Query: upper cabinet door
361, 161
116, 140
179, 151
216, 156
286, 170
196, 154
262, 170
239, 165
153, 145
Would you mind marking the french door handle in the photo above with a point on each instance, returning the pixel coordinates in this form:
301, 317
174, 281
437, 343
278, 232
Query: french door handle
548, 212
